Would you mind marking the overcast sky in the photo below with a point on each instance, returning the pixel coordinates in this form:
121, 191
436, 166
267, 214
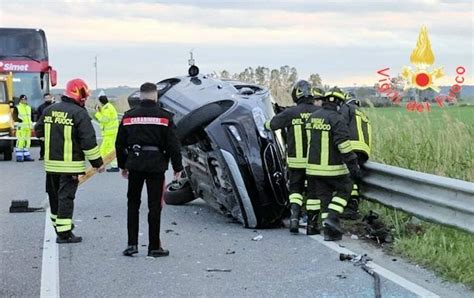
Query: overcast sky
346, 42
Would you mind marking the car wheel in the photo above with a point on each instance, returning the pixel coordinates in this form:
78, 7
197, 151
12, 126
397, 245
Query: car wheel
178, 194
196, 120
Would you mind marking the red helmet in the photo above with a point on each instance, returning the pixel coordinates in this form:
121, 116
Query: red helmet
77, 90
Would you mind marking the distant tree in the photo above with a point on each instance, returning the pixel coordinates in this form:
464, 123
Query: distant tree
224, 74
315, 80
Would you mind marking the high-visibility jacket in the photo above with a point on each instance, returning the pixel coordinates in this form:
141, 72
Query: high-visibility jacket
69, 138
329, 146
23, 116
360, 128
294, 119
107, 117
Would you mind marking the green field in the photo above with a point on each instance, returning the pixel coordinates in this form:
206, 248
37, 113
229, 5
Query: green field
440, 142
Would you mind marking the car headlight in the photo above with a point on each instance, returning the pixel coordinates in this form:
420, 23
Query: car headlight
4, 118
259, 118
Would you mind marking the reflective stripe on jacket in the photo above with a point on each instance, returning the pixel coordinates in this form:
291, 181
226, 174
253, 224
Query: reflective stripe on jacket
360, 128
69, 138
329, 144
294, 119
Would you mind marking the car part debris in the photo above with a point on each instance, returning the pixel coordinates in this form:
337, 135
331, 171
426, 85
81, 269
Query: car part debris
257, 238
218, 270
361, 260
21, 206
376, 229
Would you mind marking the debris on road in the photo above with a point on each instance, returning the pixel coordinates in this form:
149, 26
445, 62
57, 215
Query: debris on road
354, 237
174, 223
20, 206
107, 215
168, 231
257, 238
218, 270
230, 252
361, 260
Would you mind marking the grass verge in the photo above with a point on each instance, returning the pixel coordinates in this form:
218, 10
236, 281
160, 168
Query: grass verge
439, 142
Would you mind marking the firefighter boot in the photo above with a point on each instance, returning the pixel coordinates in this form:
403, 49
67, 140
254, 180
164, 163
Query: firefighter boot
294, 218
352, 210
331, 235
68, 237
160, 252
333, 222
312, 227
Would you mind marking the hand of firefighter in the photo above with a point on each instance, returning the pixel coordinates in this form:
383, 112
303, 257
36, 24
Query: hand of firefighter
354, 170
125, 173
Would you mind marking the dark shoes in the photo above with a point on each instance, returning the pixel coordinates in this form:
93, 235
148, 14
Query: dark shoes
331, 235
160, 252
68, 237
41, 158
130, 250
27, 158
113, 170
312, 228
295, 218
332, 228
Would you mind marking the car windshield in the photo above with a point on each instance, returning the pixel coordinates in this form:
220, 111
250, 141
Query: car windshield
22, 43
28, 83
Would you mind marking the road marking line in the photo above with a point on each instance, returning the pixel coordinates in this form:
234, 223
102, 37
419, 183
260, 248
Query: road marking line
412, 287
50, 265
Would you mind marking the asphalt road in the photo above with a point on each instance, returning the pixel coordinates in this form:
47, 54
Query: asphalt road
279, 265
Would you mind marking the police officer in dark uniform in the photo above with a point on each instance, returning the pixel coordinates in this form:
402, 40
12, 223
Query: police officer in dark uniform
145, 140
360, 130
294, 119
328, 154
69, 139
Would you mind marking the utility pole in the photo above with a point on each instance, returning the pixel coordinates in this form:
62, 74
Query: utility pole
95, 65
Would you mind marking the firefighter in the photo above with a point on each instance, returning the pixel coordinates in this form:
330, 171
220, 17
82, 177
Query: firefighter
330, 160
107, 117
145, 140
69, 138
293, 119
48, 100
361, 137
22, 117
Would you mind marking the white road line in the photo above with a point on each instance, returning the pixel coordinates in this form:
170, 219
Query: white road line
414, 288
50, 266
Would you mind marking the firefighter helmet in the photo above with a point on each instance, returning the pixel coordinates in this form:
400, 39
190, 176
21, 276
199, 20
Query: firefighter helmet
301, 89
77, 90
334, 95
317, 92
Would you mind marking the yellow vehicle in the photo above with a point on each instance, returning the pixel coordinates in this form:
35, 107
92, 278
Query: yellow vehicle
6, 119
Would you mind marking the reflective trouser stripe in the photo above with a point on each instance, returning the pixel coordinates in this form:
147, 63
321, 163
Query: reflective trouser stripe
63, 224
53, 218
336, 208
324, 215
355, 190
296, 198
47, 136
68, 143
313, 204
339, 200
337, 204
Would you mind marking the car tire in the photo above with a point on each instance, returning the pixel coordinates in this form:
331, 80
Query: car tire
178, 195
196, 120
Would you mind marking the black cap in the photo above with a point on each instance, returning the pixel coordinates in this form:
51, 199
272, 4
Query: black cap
23, 96
103, 99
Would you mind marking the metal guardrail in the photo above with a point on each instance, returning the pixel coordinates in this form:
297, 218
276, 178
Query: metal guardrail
438, 199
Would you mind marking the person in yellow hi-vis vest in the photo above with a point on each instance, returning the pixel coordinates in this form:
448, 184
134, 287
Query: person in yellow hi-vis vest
23, 123
107, 117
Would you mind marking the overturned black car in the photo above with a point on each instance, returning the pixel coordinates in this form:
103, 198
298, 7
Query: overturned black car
231, 161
